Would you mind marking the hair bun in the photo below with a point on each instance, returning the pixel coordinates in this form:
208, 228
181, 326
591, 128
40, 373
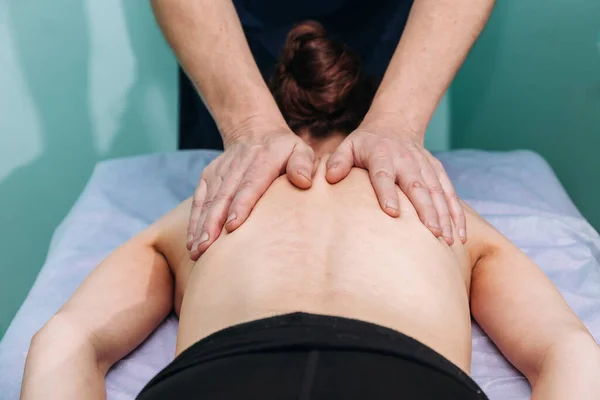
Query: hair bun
318, 81
305, 29
299, 36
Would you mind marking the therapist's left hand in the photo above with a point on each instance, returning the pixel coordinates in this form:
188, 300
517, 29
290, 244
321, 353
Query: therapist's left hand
397, 158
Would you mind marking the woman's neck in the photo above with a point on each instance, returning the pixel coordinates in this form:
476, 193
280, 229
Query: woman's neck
323, 146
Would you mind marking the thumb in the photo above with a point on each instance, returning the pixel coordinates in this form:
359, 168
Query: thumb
340, 163
300, 166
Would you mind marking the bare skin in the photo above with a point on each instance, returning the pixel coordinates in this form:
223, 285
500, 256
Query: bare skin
328, 250
208, 39
356, 262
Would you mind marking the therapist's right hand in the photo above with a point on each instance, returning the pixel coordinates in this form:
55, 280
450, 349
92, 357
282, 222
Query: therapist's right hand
232, 184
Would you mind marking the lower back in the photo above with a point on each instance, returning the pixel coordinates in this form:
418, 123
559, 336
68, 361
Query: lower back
331, 250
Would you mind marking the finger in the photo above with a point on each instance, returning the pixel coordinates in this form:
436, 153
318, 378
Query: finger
197, 202
456, 209
383, 179
300, 166
340, 162
200, 236
217, 215
254, 184
439, 200
411, 182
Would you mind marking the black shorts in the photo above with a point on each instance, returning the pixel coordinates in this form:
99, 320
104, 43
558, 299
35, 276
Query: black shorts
305, 356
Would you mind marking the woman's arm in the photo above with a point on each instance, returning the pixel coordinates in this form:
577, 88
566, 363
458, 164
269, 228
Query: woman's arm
527, 318
117, 306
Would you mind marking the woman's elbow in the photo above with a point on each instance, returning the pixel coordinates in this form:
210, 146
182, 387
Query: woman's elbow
64, 339
62, 363
574, 358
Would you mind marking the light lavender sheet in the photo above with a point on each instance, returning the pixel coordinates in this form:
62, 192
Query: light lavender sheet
515, 191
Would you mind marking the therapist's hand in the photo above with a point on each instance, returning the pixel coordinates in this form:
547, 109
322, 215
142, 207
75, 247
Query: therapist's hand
232, 184
396, 158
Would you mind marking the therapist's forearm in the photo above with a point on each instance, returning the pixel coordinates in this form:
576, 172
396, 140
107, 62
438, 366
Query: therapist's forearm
437, 37
208, 40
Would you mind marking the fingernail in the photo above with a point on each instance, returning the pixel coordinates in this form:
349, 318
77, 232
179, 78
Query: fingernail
190, 238
195, 246
334, 165
197, 243
434, 225
304, 173
231, 217
392, 205
462, 233
203, 238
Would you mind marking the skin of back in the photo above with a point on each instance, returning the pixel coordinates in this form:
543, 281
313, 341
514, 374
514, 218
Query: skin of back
328, 250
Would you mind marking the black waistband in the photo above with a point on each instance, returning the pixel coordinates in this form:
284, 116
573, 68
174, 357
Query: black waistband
302, 331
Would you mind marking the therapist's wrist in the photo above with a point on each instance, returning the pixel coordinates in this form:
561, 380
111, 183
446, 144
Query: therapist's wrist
392, 123
254, 126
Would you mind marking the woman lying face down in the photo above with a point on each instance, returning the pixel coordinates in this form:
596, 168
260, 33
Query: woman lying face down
319, 294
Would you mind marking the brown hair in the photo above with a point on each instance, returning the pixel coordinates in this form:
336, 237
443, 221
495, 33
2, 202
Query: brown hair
319, 83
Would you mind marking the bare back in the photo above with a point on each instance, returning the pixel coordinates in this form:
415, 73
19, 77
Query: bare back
330, 250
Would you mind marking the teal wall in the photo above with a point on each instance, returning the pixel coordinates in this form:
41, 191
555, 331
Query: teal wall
533, 81
437, 137
80, 81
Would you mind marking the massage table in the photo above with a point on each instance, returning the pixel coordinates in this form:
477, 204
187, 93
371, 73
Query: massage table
516, 191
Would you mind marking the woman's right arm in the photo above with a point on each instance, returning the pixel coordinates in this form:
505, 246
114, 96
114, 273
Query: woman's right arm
117, 306
525, 315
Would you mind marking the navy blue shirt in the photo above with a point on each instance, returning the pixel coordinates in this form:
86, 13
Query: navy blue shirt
371, 28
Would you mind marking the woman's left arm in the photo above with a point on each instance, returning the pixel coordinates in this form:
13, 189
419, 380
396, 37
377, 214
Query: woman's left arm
116, 307
389, 142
